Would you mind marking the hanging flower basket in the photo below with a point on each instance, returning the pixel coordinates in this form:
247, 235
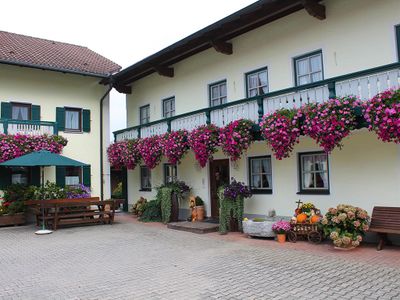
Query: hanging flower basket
150, 150
204, 141
236, 138
175, 145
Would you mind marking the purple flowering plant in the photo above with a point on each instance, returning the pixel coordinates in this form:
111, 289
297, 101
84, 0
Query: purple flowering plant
78, 191
237, 189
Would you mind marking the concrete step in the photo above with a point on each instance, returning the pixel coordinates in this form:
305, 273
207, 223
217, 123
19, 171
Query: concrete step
195, 227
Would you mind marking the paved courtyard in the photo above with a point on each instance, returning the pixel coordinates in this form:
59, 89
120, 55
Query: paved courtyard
131, 260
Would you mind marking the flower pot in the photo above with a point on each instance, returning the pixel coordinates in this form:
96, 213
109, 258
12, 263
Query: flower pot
199, 212
344, 248
281, 237
17, 219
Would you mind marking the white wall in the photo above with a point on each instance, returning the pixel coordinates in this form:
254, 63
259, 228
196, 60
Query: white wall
356, 35
50, 90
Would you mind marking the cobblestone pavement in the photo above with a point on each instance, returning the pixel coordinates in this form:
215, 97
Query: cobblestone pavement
140, 261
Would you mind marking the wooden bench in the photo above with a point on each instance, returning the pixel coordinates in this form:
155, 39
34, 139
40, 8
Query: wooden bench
58, 212
384, 221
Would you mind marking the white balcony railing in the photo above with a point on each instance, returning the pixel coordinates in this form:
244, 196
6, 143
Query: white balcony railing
28, 127
364, 85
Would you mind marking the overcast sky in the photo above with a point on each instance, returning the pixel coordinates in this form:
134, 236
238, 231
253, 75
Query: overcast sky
122, 30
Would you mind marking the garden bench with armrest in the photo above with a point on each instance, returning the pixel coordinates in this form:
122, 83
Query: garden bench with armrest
73, 211
384, 221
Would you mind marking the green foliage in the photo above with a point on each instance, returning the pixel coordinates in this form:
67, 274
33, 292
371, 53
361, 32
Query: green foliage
16, 207
18, 192
164, 195
117, 192
49, 191
151, 212
230, 208
199, 201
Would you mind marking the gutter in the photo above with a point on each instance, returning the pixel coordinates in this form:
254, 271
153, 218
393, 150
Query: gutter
101, 141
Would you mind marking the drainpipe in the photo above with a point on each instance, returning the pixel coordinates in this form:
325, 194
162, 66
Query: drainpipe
101, 141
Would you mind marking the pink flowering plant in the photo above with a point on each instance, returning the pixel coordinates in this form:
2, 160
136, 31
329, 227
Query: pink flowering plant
204, 141
236, 137
382, 113
345, 225
281, 130
115, 153
175, 145
330, 122
131, 155
150, 150
281, 227
12, 146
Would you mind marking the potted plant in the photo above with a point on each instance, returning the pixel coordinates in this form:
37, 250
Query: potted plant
345, 225
281, 228
231, 198
138, 207
12, 208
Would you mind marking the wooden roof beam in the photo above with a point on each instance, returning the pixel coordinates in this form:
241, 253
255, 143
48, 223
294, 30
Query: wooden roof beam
314, 9
123, 89
222, 47
164, 71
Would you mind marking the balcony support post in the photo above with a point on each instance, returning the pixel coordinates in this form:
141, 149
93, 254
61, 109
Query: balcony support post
208, 117
332, 89
260, 103
169, 126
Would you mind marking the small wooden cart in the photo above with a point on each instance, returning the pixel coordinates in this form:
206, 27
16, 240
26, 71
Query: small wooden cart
308, 231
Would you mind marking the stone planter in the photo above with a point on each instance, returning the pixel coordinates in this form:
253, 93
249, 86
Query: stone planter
17, 219
260, 229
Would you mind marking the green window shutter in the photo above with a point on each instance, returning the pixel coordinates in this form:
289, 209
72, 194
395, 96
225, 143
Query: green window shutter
35, 112
86, 176
60, 118
60, 176
86, 120
5, 110
5, 177
35, 176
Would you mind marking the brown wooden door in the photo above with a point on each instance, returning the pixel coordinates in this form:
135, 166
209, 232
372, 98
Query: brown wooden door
219, 175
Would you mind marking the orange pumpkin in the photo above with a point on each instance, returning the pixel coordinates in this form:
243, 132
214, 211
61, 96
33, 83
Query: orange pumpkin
314, 219
301, 218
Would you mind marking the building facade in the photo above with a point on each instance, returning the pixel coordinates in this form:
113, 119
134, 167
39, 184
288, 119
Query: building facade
290, 54
52, 88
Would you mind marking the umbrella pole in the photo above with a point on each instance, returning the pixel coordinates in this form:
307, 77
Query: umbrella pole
43, 230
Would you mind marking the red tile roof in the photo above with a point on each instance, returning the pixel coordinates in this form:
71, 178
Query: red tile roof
45, 54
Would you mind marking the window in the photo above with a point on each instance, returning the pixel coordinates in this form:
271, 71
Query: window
169, 107
144, 114
314, 173
20, 175
217, 92
260, 169
308, 68
73, 119
21, 111
73, 175
145, 178
257, 82
170, 173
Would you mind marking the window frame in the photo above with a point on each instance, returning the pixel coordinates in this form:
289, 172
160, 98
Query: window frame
21, 170
163, 107
142, 187
147, 106
80, 175
314, 191
246, 77
309, 54
21, 104
165, 167
80, 113
213, 84
258, 190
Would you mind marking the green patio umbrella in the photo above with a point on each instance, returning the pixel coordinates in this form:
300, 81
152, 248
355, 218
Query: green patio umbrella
42, 159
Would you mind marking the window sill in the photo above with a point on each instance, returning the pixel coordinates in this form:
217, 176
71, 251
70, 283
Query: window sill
313, 193
73, 131
261, 192
145, 190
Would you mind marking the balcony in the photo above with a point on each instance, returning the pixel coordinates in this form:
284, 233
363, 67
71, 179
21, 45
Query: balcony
364, 84
28, 127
